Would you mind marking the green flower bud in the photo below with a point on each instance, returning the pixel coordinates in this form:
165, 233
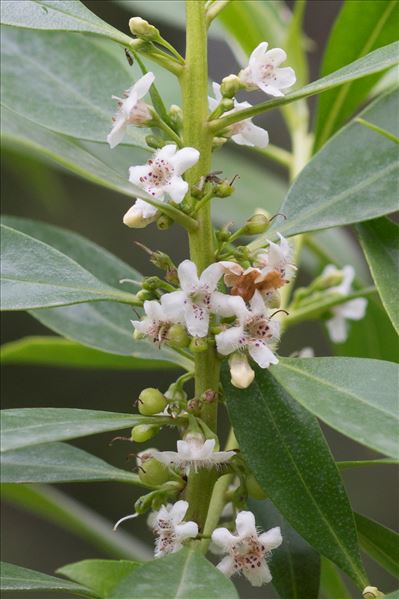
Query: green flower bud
230, 86
144, 295
198, 344
218, 142
223, 190
151, 283
143, 29
254, 489
164, 222
227, 104
151, 401
152, 472
155, 142
257, 224
176, 116
143, 432
177, 336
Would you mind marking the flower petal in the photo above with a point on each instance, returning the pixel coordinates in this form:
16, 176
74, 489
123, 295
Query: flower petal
173, 304
117, 132
225, 305
223, 538
259, 575
284, 78
176, 189
226, 566
275, 57
143, 84
178, 511
187, 530
184, 159
272, 538
211, 275
258, 54
262, 354
269, 89
354, 309
196, 317
252, 136
245, 524
228, 341
188, 277
337, 329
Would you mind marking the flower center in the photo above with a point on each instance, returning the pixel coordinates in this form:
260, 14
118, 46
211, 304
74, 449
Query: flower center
159, 174
258, 327
201, 297
158, 331
248, 553
267, 72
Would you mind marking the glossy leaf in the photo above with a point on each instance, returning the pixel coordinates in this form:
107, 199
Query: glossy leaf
35, 275
284, 447
15, 578
59, 15
340, 184
63, 353
99, 575
183, 574
331, 583
295, 565
105, 326
59, 463
24, 427
359, 28
380, 242
357, 397
54, 506
80, 107
380, 542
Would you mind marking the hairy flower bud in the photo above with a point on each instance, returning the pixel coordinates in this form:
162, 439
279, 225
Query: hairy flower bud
143, 432
143, 29
227, 104
256, 224
151, 401
230, 86
153, 141
144, 294
177, 336
152, 472
223, 189
242, 374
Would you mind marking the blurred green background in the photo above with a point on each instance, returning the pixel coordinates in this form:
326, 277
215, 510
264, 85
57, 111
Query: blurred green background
36, 190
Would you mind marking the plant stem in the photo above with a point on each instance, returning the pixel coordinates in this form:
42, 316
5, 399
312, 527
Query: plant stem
215, 9
194, 82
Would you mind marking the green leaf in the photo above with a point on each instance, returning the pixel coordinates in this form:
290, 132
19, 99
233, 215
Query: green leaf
295, 565
380, 242
15, 578
178, 576
105, 326
380, 542
394, 595
78, 106
357, 397
67, 15
63, 353
55, 506
359, 28
285, 449
340, 184
24, 427
59, 463
100, 575
35, 275
331, 583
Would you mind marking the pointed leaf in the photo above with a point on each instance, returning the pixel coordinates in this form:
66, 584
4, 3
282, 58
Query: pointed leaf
99, 575
295, 566
340, 184
15, 578
331, 583
59, 463
178, 576
24, 427
380, 242
105, 326
359, 28
357, 397
380, 542
59, 15
286, 451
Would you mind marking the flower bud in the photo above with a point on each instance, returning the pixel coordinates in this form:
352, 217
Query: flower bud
371, 593
223, 189
151, 401
134, 219
227, 104
176, 116
230, 86
151, 283
241, 373
151, 472
143, 432
177, 336
198, 344
164, 222
218, 142
257, 224
143, 29
254, 489
155, 142
144, 295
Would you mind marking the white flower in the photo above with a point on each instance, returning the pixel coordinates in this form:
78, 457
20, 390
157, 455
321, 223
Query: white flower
170, 529
241, 373
198, 297
247, 551
131, 109
262, 71
156, 322
353, 310
277, 258
194, 453
244, 133
254, 331
140, 215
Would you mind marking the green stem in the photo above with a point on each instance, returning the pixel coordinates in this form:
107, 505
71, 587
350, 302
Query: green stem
175, 213
194, 82
215, 9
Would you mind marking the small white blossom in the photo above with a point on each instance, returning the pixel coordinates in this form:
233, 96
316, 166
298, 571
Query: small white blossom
140, 215
131, 109
198, 297
247, 550
156, 322
170, 529
241, 373
194, 453
263, 71
353, 310
277, 258
254, 332
244, 133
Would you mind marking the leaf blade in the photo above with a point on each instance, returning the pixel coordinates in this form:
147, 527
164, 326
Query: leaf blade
16, 578
380, 542
99, 575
